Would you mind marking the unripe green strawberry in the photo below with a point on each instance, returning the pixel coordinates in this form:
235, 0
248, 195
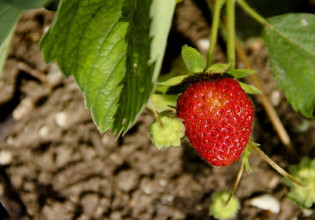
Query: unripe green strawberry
305, 171
218, 119
167, 132
219, 210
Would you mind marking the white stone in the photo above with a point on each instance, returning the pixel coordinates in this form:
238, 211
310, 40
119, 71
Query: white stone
54, 75
61, 119
5, 157
307, 212
275, 98
266, 202
24, 108
43, 131
203, 44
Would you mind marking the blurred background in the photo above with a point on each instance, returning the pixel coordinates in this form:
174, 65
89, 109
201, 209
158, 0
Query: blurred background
54, 164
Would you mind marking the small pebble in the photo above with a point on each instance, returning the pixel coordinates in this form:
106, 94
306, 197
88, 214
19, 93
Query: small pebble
203, 44
307, 212
61, 119
54, 75
275, 98
266, 202
162, 182
23, 109
127, 180
5, 157
44, 131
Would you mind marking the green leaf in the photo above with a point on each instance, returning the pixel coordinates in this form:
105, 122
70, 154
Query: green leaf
4, 48
240, 73
161, 12
173, 81
290, 42
164, 102
9, 15
193, 59
218, 68
27, 4
250, 89
109, 49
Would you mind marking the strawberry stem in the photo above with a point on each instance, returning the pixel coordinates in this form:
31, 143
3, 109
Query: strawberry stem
253, 13
276, 166
236, 182
156, 114
214, 30
230, 14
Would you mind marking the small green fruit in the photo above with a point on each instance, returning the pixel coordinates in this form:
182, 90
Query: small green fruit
305, 172
167, 132
219, 210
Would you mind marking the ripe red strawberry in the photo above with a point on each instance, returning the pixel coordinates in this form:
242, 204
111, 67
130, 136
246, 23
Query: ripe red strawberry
218, 119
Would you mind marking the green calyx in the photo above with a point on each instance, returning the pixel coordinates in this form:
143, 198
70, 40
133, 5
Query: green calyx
305, 171
167, 131
220, 210
196, 71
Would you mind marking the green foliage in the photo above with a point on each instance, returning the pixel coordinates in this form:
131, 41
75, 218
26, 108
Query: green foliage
161, 12
218, 68
28, 4
250, 89
240, 73
173, 81
290, 42
9, 15
164, 102
4, 48
113, 51
305, 171
193, 59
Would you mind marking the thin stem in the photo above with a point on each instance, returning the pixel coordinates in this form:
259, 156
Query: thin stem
252, 12
236, 182
277, 167
230, 13
214, 30
156, 114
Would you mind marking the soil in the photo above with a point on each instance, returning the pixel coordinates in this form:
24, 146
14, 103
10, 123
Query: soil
56, 165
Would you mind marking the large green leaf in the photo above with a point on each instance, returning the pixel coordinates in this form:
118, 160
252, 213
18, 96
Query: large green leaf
4, 48
290, 42
105, 45
27, 4
9, 15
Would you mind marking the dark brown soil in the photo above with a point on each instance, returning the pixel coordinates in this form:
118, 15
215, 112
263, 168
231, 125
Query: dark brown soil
56, 165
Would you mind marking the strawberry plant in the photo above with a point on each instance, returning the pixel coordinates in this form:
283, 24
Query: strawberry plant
114, 50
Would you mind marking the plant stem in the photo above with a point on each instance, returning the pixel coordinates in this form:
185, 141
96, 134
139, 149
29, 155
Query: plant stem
156, 114
214, 30
230, 13
271, 112
236, 182
276, 166
252, 12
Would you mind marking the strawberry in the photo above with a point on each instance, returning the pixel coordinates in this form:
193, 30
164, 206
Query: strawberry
218, 119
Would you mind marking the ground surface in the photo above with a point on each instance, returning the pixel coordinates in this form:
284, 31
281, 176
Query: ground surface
56, 165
